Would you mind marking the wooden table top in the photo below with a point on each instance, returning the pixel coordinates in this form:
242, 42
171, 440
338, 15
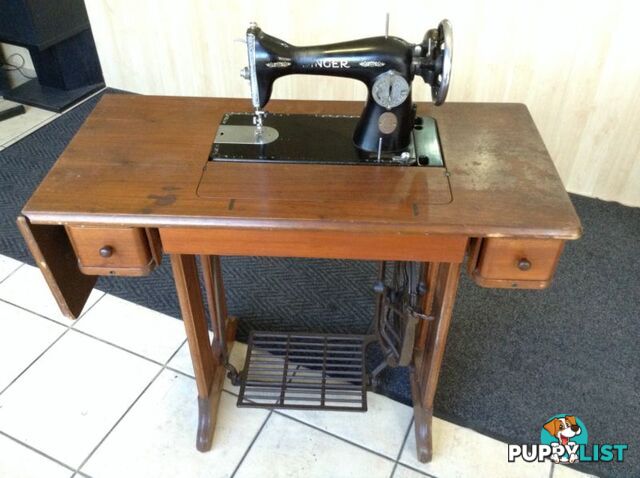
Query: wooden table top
139, 160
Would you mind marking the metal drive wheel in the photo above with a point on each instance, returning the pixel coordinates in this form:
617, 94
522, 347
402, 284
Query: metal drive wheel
433, 60
399, 311
444, 51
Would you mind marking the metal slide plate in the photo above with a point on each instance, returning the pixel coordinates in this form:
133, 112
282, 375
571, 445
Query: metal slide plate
236, 134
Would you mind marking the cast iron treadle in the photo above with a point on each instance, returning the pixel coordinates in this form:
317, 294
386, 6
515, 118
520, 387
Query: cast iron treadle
304, 371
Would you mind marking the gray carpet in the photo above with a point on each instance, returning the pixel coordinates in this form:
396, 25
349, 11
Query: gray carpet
514, 358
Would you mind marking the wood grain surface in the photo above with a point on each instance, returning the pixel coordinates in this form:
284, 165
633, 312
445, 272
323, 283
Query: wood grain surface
331, 185
499, 258
318, 244
582, 89
50, 247
138, 160
128, 246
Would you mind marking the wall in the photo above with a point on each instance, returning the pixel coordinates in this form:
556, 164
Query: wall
7, 50
574, 63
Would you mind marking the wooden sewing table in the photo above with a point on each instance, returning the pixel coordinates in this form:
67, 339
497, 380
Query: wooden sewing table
136, 182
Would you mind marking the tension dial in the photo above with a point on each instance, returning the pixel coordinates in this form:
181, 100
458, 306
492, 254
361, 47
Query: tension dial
390, 89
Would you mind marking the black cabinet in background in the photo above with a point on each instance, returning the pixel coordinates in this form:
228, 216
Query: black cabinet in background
58, 36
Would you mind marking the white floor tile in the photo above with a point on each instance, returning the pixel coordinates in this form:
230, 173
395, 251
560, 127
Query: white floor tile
157, 437
69, 399
182, 362
19, 126
27, 288
567, 471
461, 452
23, 336
133, 327
7, 266
17, 460
404, 472
286, 448
382, 428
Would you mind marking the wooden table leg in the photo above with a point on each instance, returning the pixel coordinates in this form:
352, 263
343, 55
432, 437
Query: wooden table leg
207, 365
216, 303
442, 285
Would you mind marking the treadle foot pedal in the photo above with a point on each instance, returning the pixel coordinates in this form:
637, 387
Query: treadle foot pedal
304, 371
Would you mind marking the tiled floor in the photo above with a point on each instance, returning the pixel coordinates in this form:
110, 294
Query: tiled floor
16, 128
112, 395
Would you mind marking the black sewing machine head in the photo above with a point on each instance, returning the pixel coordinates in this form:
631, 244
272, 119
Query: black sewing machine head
387, 130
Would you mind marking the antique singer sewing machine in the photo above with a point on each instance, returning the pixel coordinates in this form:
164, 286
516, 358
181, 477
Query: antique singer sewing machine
388, 130
423, 188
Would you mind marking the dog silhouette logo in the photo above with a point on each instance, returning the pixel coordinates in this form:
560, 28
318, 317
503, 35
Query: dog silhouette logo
565, 433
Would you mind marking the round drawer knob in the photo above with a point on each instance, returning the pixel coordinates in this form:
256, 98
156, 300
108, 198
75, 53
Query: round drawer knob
524, 264
106, 251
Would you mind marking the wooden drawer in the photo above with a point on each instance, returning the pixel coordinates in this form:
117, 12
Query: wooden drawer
515, 263
128, 251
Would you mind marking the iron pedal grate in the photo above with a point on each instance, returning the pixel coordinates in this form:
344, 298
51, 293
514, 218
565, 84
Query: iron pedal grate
304, 371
